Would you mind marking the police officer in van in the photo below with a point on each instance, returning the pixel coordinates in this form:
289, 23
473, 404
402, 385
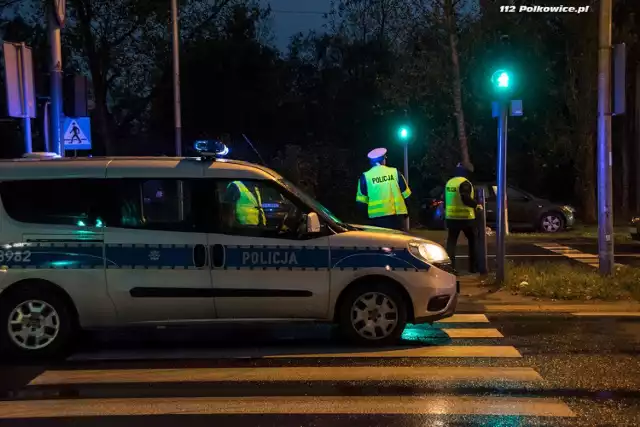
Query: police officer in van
247, 203
460, 214
383, 190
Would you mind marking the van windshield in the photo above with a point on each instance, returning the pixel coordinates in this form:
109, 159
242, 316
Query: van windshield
310, 201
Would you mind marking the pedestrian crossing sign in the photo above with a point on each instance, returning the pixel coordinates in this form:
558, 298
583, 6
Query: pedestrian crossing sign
77, 133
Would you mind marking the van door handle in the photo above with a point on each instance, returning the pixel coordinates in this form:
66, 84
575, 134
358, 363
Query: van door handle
199, 256
217, 256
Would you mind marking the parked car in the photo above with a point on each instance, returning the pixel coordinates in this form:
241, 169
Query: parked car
525, 211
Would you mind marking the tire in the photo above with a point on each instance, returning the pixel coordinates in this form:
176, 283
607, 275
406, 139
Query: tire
47, 339
551, 222
349, 329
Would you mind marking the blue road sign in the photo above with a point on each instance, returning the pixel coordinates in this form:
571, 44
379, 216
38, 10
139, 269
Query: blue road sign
77, 133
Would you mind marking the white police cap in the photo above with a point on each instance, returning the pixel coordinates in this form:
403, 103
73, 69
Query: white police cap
377, 153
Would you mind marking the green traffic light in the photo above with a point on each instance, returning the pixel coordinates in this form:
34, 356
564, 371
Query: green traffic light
403, 133
501, 79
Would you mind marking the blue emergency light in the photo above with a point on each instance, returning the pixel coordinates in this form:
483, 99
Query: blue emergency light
211, 148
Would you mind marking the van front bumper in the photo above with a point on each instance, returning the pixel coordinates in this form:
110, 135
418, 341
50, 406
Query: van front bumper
448, 311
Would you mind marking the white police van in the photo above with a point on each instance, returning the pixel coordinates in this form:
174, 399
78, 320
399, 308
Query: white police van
90, 243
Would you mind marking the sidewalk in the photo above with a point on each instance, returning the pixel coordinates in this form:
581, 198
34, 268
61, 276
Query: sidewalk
476, 296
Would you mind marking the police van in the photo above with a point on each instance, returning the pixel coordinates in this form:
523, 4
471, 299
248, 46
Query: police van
89, 243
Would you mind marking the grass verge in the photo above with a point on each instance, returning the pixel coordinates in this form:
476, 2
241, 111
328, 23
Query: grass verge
564, 281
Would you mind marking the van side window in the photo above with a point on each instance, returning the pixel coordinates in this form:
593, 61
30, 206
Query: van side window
256, 208
154, 204
73, 202
150, 204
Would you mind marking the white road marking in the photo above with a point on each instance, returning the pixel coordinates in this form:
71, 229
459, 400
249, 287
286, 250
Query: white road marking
465, 318
428, 404
472, 333
608, 314
574, 254
281, 374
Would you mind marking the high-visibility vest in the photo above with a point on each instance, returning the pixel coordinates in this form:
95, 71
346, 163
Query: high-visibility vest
454, 206
384, 197
249, 206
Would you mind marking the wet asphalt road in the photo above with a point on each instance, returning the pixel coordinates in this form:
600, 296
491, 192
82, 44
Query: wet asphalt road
493, 370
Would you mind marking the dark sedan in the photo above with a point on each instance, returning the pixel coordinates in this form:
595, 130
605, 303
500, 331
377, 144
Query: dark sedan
525, 211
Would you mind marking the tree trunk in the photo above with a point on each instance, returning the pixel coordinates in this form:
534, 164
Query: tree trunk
637, 137
449, 16
101, 112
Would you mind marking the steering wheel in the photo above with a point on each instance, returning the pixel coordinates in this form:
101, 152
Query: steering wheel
287, 224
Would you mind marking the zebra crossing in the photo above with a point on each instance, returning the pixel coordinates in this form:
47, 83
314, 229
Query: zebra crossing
423, 377
588, 259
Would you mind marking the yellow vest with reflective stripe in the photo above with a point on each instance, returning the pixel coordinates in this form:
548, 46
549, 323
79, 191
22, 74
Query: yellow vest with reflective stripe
383, 191
454, 206
249, 207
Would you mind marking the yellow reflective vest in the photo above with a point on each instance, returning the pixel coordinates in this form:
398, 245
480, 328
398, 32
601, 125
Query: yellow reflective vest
383, 194
249, 205
454, 206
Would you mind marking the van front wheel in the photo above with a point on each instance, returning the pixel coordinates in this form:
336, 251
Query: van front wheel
34, 323
373, 315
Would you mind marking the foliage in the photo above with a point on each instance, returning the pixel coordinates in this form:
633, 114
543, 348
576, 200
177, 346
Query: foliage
314, 111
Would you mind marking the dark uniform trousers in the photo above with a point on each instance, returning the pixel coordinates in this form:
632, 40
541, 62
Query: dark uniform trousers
468, 228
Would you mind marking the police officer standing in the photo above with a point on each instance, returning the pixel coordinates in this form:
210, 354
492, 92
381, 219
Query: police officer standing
460, 214
383, 190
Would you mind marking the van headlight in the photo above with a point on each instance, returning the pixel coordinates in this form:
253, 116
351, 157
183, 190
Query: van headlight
428, 252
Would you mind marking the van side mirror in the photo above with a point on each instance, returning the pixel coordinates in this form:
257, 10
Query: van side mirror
313, 223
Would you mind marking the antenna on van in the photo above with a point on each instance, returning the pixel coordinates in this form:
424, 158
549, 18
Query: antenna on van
254, 149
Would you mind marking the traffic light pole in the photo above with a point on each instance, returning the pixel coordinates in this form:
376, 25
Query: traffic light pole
605, 188
176, 78
406, 176
502, 193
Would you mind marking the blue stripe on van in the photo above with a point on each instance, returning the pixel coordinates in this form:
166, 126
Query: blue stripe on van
74, 255
149, 256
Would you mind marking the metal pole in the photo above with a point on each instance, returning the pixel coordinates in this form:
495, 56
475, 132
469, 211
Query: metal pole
25, 99
637, 135
481, 220
47, 144
406, 176
502, 193
176, 78
605, 188
56, 84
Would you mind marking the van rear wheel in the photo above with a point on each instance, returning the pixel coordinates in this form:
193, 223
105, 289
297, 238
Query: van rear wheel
373, 315
35, 323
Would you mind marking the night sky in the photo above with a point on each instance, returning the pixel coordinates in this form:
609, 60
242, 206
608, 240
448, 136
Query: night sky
293, 16
289, 17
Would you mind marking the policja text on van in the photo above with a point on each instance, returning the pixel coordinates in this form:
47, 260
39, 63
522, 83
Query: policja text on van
269, 258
